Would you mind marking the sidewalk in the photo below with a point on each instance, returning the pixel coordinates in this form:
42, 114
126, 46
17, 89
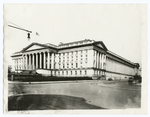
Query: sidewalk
51, 82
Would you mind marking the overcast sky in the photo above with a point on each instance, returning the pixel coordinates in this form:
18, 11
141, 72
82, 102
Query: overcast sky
120, 27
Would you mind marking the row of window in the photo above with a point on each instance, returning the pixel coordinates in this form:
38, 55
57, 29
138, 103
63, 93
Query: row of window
76, 52
71, 72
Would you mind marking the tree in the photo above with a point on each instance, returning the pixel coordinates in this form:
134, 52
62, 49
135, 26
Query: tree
9, 68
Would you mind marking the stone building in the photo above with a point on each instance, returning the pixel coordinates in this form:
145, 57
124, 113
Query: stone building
75, 59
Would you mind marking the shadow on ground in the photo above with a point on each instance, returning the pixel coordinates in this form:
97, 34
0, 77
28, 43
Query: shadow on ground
47, 102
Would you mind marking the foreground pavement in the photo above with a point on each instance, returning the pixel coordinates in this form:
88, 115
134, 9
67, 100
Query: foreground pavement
87, 94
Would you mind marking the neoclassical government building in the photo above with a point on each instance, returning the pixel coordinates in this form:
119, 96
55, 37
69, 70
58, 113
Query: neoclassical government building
75, 59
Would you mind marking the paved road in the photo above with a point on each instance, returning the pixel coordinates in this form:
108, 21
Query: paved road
105, 94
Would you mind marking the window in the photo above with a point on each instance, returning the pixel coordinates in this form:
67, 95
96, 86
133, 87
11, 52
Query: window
75, 72
71, 72
85, 72
76, 65
66, 72
67, 65
86, 60
55, 72
62, 72
80, 72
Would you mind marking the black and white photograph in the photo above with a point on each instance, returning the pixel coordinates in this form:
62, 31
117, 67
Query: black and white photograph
75, 57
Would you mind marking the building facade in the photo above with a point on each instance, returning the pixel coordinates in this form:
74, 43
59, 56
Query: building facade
75, 59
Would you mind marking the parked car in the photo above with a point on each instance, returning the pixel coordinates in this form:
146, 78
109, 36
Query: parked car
138, 78
110, 79
130, 80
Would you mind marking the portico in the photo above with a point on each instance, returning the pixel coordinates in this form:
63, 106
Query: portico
38, 60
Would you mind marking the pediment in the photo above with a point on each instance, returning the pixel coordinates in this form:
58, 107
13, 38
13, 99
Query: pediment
37, 46
101, 45
34, 47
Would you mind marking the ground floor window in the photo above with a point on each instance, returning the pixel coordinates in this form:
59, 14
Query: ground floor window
80, 72
66, 72
85, 72
71, 72
75, 72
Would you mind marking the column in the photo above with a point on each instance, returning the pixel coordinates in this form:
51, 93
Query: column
17, 64
33, 62
40, 60
44, 59
26, 57
23, 63
97, 58
48, 60
99, 65
105, 61
52, 61
102, 60
36, 60
29, 67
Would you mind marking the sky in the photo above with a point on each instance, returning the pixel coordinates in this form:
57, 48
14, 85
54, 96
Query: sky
121, 27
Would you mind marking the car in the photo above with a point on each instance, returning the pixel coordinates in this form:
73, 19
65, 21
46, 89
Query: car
110, 79
130, 80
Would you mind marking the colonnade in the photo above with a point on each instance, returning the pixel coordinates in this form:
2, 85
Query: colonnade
40, 60
67, 60
99, 60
